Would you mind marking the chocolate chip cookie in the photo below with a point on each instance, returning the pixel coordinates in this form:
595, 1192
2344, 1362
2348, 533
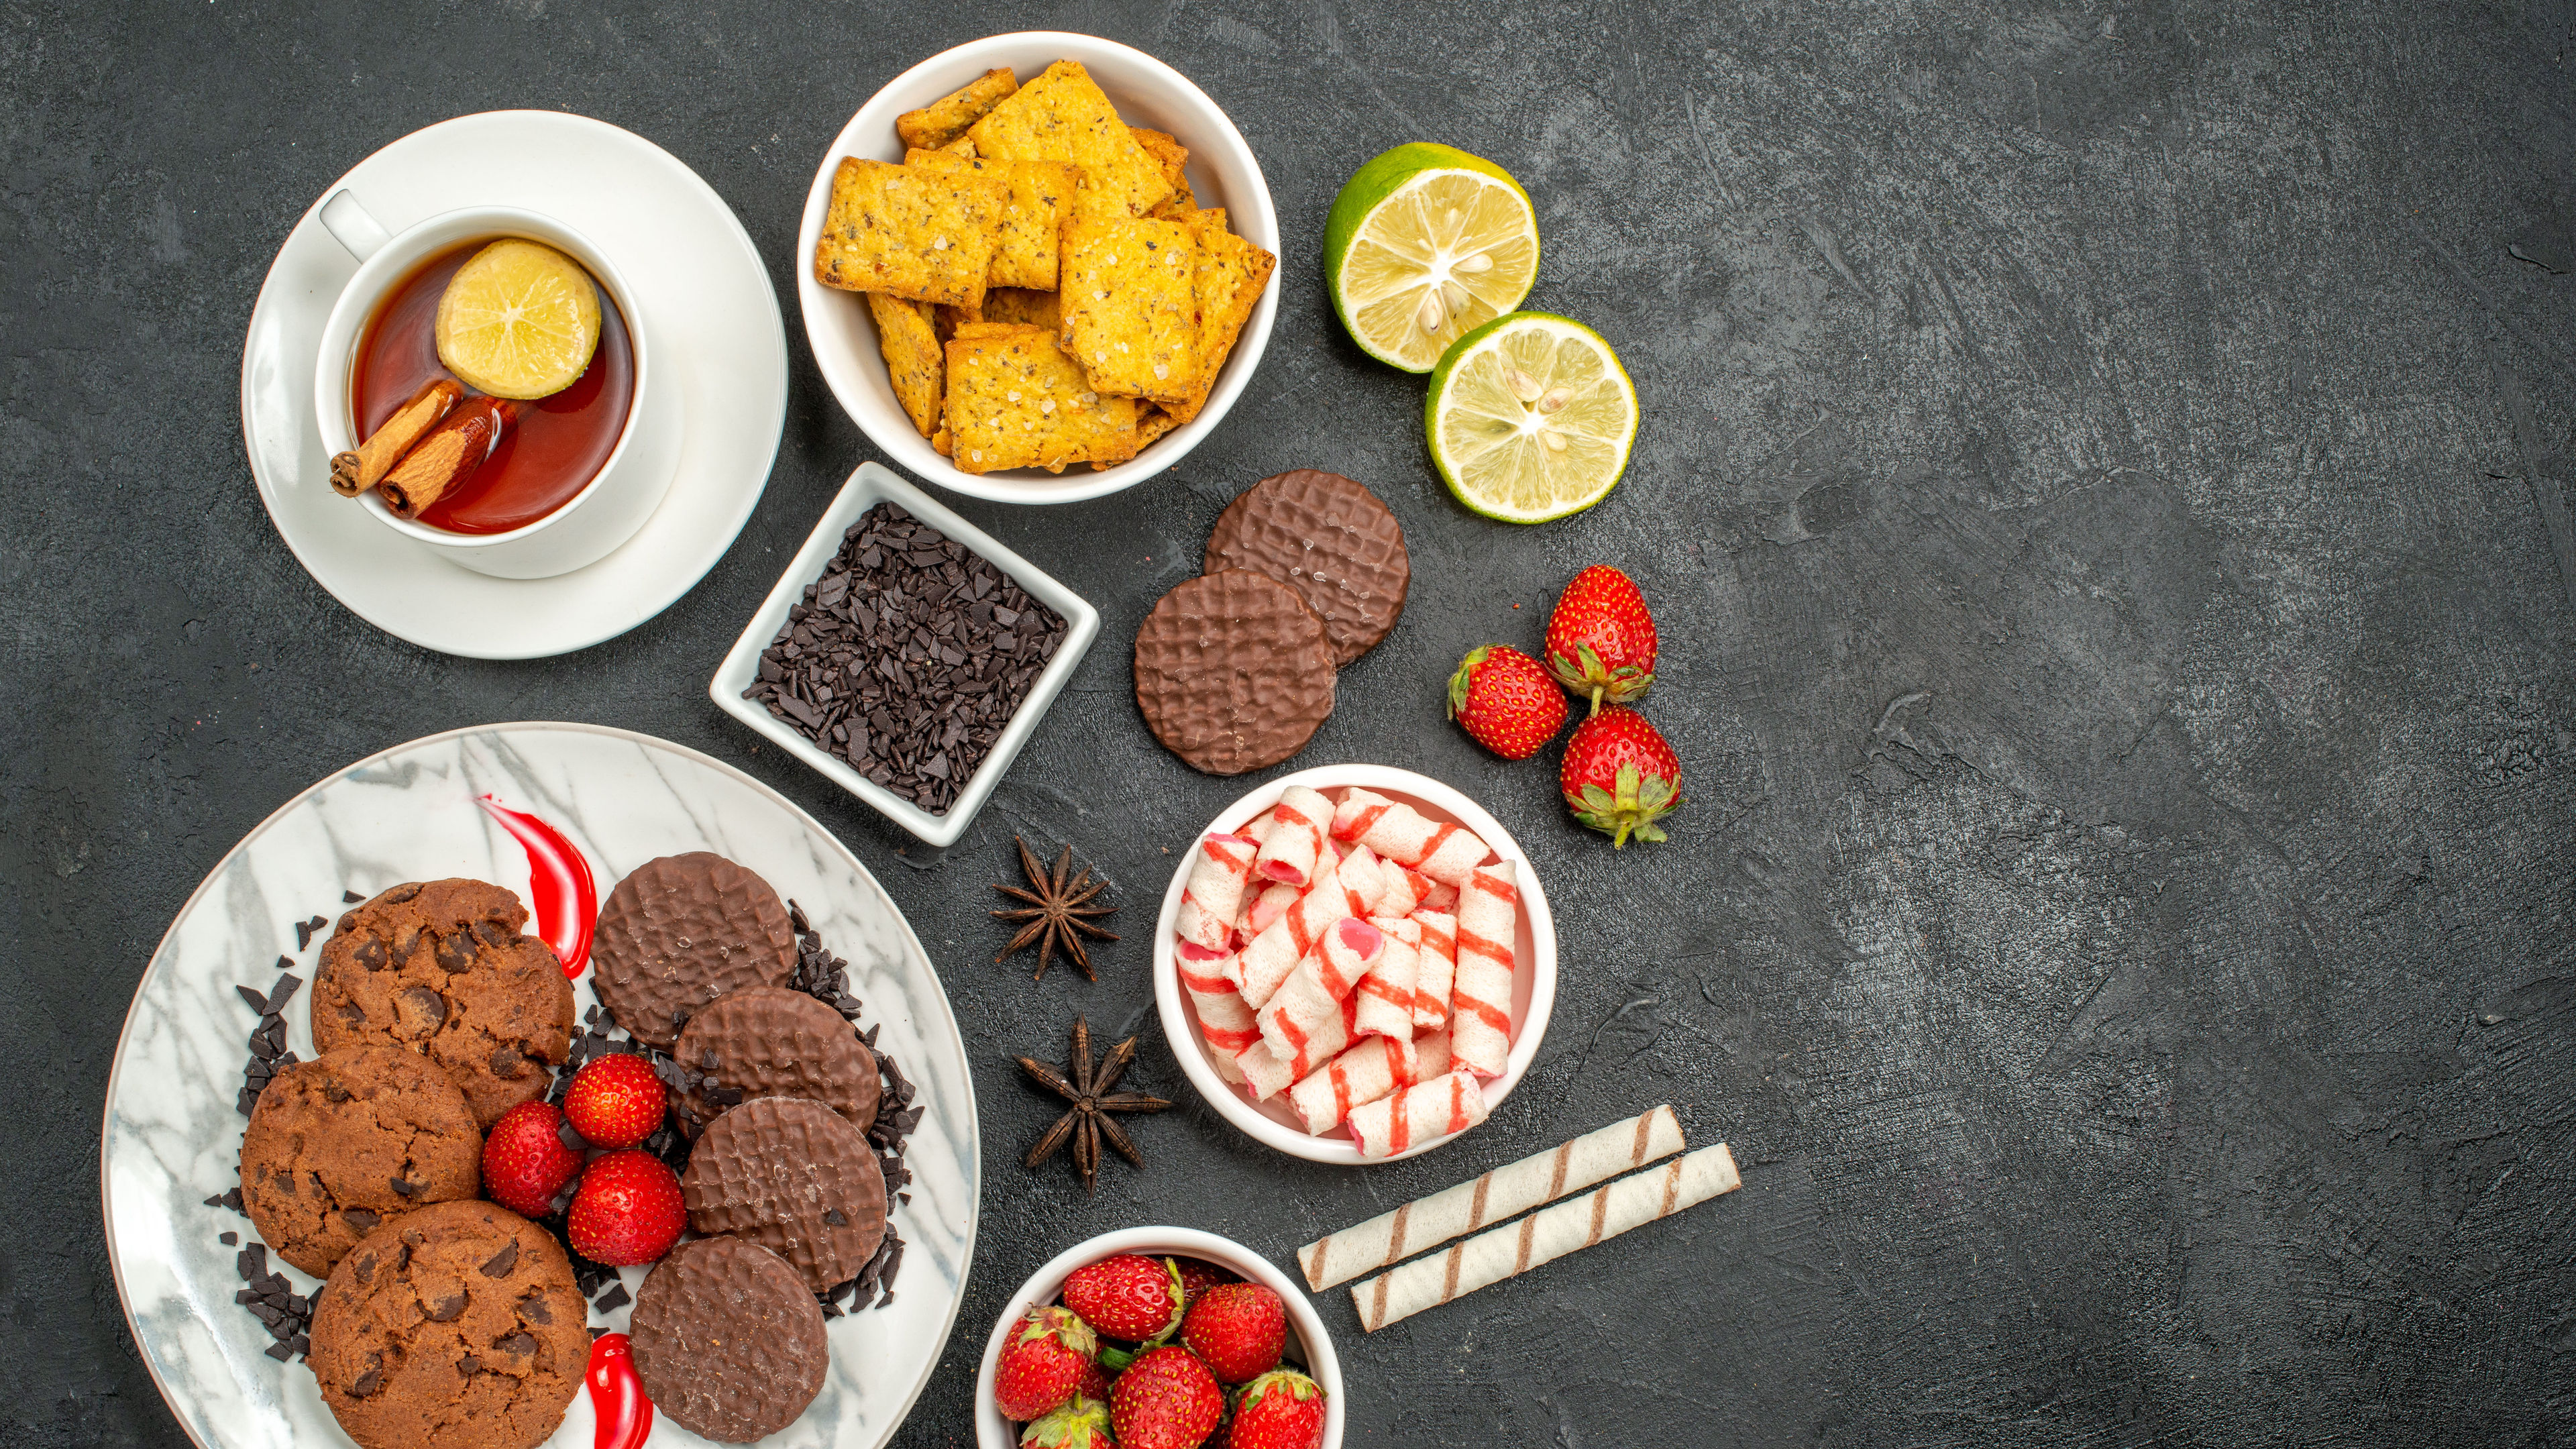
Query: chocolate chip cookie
454, 1327
679, 932
356, 1136
795, 1177
728, 1340
440, 967
768, 1041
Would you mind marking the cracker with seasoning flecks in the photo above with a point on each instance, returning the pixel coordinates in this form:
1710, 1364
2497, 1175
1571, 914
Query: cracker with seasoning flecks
1130, 317
914, 362
1064, 116
919, 235
943, 121
1018, 304
1230, 276
1024, 237
1016, 401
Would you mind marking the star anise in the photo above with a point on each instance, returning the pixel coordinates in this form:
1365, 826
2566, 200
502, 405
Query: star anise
1089, 1121
1059, 913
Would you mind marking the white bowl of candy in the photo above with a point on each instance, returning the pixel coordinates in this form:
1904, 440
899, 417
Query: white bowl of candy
1331, 963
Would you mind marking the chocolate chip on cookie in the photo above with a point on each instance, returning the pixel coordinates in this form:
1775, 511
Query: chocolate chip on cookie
440, 967
456, 1326
728, 1340
680, 931
355, 1136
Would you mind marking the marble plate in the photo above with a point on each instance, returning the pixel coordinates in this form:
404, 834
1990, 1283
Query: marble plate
173, 1138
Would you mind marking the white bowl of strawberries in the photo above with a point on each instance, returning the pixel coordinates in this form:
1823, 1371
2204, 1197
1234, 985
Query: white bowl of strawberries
1362, 985
1165, 1338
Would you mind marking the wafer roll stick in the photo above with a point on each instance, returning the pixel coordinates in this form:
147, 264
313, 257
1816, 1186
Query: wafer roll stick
1257, 829
1366, 1072
1435, 960
1364, 877
1267, 907
1480, 994
1269, 1073
1404, 835
1441, 1107
1292, 938
1299, 821
1320, 985
1401, 890
1212, 900
1224, 1019
1389, 1238
1506, 1252
1386, 992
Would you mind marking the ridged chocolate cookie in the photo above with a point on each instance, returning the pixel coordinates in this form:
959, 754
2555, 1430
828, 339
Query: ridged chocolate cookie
355, 1136
441, 968
795, 1177
1233, 672
454, 1327
768, 1041
681, 931
728, 1340
1332, 541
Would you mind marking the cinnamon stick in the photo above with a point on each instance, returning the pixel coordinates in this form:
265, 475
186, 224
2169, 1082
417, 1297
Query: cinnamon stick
451, 451
353, 473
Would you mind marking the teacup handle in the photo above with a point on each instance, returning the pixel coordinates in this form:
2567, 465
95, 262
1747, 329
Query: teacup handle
351, 226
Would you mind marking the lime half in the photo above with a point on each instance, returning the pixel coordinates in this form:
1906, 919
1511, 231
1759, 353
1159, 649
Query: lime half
1426, 243
1530, 417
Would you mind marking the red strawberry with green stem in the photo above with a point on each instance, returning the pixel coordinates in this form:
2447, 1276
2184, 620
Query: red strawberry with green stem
1238, 1330
1197, 1277
615, 1100
1505, 701
1042, 1363
1601, 640
525, 1162
1619, 776
626, 1211
1127, 1296
1165, 1400
1282, 1410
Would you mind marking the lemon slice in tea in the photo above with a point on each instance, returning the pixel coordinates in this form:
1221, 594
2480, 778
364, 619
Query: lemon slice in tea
1530, 417
1425, 244
518, 320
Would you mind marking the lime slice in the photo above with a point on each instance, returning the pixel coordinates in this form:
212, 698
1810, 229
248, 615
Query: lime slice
518, 320
1426, 243
1530, 417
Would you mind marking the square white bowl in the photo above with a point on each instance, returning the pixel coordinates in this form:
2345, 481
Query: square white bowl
1222, 172
872, 484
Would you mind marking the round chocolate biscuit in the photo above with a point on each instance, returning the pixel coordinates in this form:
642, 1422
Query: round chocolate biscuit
453, 1327
440, 967
795, 1177
768, 1041
1233, 671
681, 931
728, 1340
341, 1143
1328, 538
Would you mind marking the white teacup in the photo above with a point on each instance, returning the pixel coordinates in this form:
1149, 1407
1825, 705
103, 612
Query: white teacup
617, 500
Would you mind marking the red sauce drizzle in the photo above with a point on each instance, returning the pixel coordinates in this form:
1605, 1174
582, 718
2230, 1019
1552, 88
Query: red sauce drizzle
617, 1396
559, 878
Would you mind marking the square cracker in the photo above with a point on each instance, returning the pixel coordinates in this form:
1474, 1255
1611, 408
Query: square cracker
944, 120
1226, 286
1024, 240
1174, 158
1151, 423
1129, 314
914, 363
1063, 116
1018, 304
912, 234
1016, 401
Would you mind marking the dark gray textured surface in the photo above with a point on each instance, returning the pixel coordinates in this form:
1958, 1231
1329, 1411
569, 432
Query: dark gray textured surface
2093, 488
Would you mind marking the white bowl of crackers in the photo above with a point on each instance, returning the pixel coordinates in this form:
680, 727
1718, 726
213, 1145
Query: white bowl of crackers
1365, 990
1039, 267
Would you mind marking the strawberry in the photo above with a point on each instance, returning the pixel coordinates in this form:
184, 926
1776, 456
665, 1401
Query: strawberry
525, 1162
1082, 1423
1619, 776
1282, 1410
1042, 1363
615, 1100
626, 1211
1127, 1296
1095, 1383
1197, 1277
1238, 1329
1505, 701
1165, 1400
1601, 640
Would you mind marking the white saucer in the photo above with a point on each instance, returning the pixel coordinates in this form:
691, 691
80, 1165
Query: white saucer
716, 326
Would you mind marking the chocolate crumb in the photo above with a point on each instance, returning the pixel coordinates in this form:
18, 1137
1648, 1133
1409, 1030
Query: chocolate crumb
350, 898
227, 1239
615, 1297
